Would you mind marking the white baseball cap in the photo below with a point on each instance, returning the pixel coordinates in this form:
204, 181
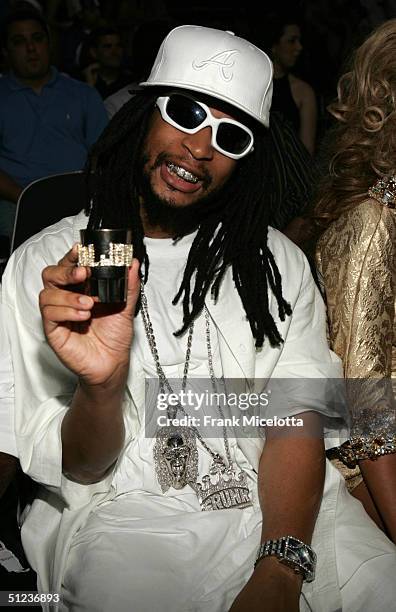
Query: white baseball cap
216, 63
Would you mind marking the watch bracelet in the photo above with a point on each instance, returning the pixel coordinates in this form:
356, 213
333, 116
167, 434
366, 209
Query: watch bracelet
278, 548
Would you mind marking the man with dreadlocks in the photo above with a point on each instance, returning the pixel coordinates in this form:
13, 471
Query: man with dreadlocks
182, 520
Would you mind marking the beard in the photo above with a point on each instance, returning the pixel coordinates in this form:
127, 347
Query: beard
166, 214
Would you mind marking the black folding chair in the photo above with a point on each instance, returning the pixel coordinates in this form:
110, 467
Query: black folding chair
46, 201
41, 203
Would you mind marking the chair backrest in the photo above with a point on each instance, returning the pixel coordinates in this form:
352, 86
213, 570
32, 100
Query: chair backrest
46, 201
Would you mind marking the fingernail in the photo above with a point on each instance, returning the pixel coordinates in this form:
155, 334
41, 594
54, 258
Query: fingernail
85, 300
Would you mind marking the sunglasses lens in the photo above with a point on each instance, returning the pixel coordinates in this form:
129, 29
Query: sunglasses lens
185, 112
189, 115
232, 138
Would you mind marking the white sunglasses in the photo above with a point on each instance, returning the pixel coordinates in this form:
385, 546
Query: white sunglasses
229, 137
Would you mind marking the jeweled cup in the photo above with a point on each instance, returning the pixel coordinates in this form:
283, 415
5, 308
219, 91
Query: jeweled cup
108, 253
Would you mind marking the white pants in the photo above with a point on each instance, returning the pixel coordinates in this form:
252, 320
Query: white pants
130, 558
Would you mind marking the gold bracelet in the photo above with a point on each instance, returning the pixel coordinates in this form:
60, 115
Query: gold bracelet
373, 447
384, 191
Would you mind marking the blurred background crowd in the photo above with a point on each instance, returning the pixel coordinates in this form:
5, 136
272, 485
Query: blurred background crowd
109, 43
67, 73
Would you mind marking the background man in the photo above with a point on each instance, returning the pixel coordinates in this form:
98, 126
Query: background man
120, 523
106, 72
47, 121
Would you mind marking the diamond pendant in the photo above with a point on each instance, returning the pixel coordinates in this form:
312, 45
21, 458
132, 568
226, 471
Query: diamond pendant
223, 488
176, 457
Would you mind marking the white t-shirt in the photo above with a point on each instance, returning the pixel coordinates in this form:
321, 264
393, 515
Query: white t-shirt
167, 260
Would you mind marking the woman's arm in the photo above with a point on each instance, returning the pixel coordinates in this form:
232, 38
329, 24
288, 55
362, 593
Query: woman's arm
358, 268
305, 98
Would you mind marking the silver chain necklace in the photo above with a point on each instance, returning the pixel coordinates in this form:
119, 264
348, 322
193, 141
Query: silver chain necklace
175, 449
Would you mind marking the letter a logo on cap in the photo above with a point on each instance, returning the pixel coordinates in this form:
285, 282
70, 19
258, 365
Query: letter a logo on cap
224, 60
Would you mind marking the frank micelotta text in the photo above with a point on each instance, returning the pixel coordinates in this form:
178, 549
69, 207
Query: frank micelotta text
244, 420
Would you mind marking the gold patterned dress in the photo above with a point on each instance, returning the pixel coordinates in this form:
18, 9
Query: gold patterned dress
356, 262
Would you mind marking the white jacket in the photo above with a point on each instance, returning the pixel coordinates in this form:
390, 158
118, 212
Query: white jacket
44, 387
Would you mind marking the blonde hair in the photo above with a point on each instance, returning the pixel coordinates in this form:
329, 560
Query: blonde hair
362, 145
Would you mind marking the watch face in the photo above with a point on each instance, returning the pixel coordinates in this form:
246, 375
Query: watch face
305, 556
300, 556
298, 551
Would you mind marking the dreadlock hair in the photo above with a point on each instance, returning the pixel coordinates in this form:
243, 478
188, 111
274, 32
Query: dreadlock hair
233, 234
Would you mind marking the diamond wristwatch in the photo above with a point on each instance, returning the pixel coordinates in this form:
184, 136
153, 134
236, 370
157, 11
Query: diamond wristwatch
292, 552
